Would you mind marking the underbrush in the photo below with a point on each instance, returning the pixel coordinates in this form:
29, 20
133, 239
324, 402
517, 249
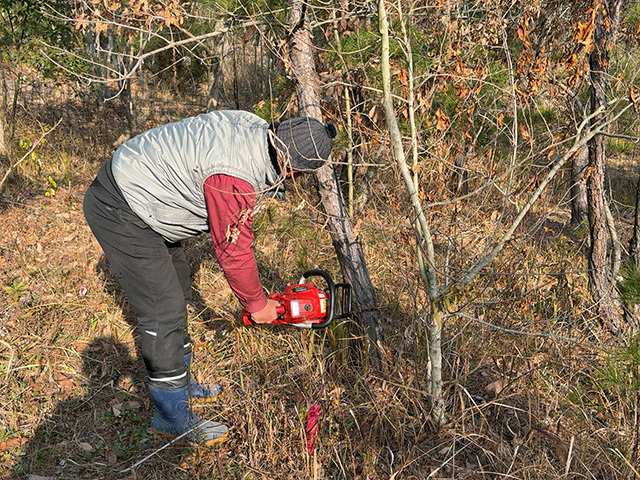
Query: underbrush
534, 388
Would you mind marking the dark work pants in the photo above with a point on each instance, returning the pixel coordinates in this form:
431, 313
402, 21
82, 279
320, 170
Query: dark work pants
155, 277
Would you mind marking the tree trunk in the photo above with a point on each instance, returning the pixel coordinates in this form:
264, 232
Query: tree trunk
634, 243
579, 203
3, 112
600, 278
426, 257
99, 70
347, 246
3, 146
579, 164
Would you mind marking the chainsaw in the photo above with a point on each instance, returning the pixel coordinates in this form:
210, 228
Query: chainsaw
306, 306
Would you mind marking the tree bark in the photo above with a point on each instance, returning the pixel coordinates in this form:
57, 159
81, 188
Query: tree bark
579, 164
634, 243
347, 245
3, 112
3, 146
579, 203
600, 278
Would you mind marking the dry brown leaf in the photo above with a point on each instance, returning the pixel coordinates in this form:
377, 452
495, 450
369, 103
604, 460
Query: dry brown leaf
81, 346
117, 409
132, 405
12, 443
85, 446
65, 381
497, 386
111, 457
443, 121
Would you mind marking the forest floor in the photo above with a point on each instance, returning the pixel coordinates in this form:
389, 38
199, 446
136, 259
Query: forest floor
534, 388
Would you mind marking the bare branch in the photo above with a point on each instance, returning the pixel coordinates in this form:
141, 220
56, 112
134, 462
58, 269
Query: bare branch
581, 140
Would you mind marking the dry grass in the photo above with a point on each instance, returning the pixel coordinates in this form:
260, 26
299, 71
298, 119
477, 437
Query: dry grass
531, 386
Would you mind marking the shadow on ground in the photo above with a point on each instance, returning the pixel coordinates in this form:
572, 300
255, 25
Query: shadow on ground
92, 433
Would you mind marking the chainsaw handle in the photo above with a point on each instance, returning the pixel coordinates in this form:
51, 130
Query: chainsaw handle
331, 307
247, 320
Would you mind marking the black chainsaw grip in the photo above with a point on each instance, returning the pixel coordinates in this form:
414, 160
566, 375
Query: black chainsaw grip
331, 307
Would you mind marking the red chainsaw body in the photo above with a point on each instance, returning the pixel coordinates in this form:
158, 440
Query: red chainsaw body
300, 303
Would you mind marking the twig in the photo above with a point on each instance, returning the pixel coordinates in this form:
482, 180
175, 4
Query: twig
622, 136
519, 332
137, 464
219, 463
569, 455
33, 147
617, 452
10, 348
448, 460
137, 58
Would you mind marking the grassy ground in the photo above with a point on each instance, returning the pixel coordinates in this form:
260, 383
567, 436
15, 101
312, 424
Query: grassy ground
534, 389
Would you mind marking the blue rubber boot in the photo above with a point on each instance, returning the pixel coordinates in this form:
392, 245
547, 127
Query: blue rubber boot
172, 418
200, 392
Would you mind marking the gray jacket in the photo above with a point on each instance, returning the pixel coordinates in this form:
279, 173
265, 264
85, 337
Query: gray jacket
161, 172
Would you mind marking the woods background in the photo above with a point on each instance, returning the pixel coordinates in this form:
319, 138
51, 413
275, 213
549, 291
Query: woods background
482, 200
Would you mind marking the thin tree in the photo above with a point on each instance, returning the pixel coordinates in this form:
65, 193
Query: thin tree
437, 290
347, 246
605, 19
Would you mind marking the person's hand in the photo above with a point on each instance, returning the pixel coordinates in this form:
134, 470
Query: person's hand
267, 314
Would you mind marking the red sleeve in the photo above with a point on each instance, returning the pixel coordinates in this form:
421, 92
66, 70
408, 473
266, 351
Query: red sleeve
230, 202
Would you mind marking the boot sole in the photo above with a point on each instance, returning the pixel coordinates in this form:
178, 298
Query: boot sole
208, 443
206, 400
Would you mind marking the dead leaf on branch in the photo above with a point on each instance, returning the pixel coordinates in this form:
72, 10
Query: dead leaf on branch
443, 121
618, 80
523, 34
112, 6
584, 33
525, 133
403, 78
519, 91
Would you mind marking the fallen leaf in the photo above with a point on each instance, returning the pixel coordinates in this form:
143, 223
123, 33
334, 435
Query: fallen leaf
85, 446
444, 451
497, 386
111, 456
65, 381
131, 405
117, 409
81, 346
12, 443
